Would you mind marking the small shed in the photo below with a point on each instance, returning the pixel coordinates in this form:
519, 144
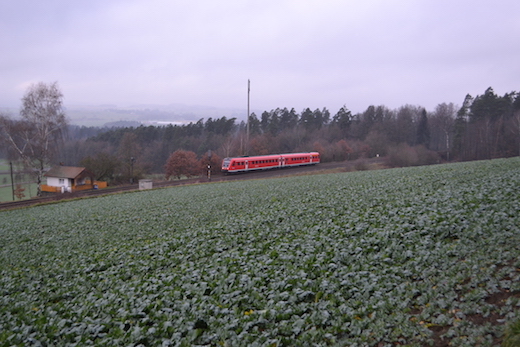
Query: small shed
145, 184
70, 179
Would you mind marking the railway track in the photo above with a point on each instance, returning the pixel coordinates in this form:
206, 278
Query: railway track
162, 184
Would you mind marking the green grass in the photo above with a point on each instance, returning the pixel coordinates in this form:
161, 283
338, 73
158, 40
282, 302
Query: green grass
5, 179
512, 335
376, 258
6, 191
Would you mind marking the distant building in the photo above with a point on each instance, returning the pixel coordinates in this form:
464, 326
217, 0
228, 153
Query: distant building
61, 179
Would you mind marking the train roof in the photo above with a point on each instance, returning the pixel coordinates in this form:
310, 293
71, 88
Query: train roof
271, 155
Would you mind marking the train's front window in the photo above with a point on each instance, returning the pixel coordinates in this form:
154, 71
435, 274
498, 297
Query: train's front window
226, 162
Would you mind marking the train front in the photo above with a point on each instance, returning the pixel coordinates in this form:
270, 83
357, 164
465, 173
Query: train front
225, 165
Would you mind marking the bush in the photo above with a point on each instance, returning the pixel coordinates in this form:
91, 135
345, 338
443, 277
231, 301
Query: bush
426, 156
182, 163
404, 155
361, 165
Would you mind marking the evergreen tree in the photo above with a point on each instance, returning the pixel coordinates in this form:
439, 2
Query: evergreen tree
343, 119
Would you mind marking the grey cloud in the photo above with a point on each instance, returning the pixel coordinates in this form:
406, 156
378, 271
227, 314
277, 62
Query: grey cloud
296, 53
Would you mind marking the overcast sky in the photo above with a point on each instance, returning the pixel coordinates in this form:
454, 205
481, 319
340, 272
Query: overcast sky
297, 53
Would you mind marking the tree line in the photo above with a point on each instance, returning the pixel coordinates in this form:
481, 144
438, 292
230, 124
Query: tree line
485, 126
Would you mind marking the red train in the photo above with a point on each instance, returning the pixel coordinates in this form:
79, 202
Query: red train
272, 161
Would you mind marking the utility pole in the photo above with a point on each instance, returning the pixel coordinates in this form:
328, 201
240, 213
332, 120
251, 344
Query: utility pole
132, 160
247, 123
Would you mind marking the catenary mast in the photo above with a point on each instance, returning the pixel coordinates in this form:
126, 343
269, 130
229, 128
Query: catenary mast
247, 121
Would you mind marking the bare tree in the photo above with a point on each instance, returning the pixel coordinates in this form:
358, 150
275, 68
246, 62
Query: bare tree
35, 138
442, 122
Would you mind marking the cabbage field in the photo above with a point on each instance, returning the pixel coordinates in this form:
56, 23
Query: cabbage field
416, 256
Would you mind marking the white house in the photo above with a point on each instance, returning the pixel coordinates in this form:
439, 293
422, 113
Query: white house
69, 179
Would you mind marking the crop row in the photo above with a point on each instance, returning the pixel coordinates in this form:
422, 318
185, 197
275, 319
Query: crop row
402, 256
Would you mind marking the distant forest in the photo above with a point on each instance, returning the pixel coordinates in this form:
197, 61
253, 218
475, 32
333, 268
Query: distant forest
484, 127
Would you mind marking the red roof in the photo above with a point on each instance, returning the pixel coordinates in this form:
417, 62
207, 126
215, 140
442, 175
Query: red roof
67, 172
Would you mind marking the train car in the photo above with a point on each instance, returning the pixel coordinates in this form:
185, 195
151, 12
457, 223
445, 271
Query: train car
272, 161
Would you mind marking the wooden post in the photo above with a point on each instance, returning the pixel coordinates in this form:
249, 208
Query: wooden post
12, 180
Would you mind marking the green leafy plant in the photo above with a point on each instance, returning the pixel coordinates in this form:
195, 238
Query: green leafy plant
409, 256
